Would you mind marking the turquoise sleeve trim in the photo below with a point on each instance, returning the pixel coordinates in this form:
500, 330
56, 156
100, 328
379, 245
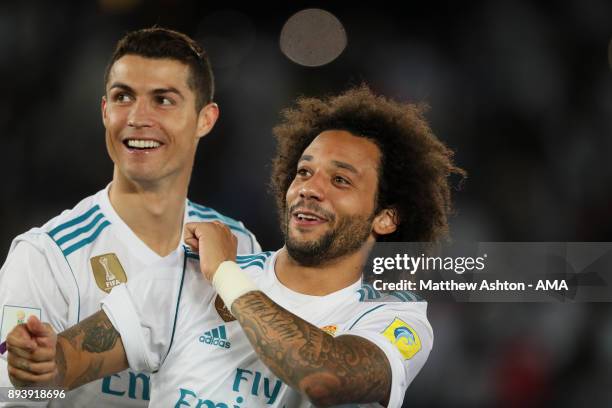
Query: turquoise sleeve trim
248, 258
254, 263
217, 218
87, 240
80, 231
361, 317
74, 221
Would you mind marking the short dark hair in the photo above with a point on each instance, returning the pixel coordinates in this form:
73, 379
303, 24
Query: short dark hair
415, 166
157, 42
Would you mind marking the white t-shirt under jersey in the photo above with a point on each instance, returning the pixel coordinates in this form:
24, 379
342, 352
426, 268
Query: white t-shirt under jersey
61, 271
170, 326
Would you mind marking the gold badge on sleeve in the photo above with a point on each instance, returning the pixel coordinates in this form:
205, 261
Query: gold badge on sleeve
107, 271
403, 337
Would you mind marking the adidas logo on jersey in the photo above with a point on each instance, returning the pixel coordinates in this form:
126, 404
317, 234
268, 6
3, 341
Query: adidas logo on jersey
216, 337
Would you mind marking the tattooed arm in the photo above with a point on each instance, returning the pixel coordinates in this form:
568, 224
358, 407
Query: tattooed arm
86, 352
330, 371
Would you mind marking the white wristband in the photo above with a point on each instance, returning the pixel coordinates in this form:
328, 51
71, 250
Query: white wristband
231, 282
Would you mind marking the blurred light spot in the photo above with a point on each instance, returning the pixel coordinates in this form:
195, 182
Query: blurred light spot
312, 37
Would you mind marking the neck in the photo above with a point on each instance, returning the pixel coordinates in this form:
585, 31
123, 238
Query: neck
324, 279
154, 211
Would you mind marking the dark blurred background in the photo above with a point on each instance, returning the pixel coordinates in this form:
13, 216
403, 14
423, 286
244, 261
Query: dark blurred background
522, 91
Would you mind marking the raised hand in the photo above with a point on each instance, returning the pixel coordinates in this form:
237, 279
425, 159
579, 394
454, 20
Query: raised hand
215, 243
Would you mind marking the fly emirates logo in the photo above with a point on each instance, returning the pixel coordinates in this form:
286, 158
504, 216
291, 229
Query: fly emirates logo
246, 383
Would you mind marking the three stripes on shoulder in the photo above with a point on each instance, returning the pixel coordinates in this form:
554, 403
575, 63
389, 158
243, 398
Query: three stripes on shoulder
85, 228
244, 261
79, 231
208, 214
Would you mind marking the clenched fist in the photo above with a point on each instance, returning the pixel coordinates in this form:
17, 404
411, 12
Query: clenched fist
31, 354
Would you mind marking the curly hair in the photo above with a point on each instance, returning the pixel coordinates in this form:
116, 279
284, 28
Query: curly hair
415, 166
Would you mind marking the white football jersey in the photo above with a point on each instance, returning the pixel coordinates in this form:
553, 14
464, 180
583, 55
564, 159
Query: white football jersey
61, 271
170, 325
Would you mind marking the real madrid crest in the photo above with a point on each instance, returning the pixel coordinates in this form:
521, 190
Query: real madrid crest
107, 271
330, 329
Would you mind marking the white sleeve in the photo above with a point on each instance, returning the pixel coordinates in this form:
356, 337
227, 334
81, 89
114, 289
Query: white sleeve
143, 312
29, 286
402, 332
28, 281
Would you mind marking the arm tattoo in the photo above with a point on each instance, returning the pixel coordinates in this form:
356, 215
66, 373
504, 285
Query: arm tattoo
94, 334
100, 335
329, 370
71, 335
87, 340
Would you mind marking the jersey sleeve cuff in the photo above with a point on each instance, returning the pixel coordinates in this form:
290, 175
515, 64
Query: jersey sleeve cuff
120, 310
398, 375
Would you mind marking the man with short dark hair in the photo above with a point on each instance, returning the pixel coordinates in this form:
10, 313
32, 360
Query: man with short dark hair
350, 170
160, 43
158, 104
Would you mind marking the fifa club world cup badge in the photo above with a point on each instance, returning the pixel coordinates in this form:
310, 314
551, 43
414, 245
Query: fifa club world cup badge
107, 271
403, 337
11, 316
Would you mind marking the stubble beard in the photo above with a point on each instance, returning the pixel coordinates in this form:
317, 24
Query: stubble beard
346, 238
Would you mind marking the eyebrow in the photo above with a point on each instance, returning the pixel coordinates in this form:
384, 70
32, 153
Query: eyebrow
346, 166
157, 91
168, 90
305, 157
342, 165
121, 86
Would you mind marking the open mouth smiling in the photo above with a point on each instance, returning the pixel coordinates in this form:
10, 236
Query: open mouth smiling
141, 144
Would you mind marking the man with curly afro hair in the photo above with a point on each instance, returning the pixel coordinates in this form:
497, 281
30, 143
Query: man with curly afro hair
414, 165
350, 170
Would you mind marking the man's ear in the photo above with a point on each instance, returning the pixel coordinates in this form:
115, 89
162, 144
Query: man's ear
103, 109
207, 118
385, 222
